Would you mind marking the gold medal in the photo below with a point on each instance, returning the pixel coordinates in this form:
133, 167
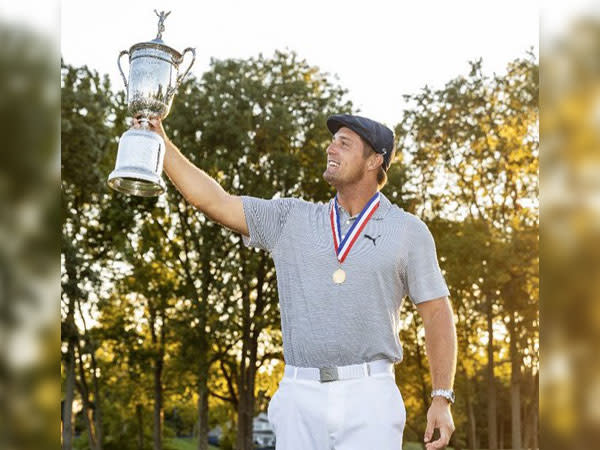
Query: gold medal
339, 276
343, 244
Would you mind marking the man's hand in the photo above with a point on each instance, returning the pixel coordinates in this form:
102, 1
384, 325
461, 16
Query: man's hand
439, 416
154, 124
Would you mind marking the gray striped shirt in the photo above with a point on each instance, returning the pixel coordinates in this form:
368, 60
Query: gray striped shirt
325, 324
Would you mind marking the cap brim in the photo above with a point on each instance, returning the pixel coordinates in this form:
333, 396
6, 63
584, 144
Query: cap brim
335, 123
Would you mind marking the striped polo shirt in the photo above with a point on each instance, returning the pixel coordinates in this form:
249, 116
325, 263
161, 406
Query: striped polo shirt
327, 324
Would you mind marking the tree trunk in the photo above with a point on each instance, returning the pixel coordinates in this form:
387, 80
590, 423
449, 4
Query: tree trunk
98, 416
534, 429
242, 425
94, 423
246, 396
69, 387
515, 386
528, 411
471, 421
245, 382
492, 424
158, 403
527, 430
202, 413
158, 407
536, 412
139, 412
246, 411
158, 344
89, 419
98, 421
85, 399
252, 325
472, 432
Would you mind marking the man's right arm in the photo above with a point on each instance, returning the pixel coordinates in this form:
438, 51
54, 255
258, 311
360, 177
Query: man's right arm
199, 189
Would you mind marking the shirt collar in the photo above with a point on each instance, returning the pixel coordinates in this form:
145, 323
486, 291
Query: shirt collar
384, 207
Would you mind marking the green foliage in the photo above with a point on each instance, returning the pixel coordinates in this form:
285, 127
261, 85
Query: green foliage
258, 125
186, 444
471, 155
472, 146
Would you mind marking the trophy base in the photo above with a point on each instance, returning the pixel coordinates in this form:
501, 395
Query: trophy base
139, 164
135, 185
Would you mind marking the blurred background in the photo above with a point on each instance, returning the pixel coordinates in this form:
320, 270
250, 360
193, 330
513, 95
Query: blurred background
29, 221
570, 251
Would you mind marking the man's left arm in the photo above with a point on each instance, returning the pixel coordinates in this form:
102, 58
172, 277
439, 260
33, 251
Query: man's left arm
440, 343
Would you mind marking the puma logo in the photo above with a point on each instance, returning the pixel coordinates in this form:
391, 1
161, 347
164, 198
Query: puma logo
372, 238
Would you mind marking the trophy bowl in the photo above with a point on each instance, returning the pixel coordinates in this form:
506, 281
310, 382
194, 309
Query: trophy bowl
154, 76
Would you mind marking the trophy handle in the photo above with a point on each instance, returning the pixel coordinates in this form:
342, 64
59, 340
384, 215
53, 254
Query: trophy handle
124, 52
182, 76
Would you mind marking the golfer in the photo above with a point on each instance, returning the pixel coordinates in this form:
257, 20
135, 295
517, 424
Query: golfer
343, 269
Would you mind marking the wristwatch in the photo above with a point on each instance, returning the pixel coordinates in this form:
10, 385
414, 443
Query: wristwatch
448, 394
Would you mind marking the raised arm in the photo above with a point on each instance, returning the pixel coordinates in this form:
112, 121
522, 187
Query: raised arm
440, 343
198, 188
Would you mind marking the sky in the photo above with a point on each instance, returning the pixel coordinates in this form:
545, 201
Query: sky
380, 50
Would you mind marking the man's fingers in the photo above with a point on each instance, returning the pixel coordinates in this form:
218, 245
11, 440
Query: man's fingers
444, 437
436, 444
442, 442
153, 123
137, 121
428, 431
156, 125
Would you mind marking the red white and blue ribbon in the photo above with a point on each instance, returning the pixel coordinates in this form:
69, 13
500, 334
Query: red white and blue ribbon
344, 244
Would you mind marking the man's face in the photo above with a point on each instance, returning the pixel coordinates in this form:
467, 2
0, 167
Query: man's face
346, 163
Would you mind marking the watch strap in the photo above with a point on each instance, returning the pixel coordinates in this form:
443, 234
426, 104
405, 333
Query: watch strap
448, 394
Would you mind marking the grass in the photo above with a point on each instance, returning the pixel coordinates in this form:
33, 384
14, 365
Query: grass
412, 446
191, 444
187, 444
417, 446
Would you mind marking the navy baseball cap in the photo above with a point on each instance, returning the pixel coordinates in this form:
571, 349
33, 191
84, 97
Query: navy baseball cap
378, 136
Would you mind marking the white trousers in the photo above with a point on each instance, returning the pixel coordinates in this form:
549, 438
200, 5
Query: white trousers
353, 414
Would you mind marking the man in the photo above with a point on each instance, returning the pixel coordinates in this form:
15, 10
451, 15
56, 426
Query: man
343, 269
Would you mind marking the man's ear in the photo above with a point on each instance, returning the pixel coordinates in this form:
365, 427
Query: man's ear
376, 160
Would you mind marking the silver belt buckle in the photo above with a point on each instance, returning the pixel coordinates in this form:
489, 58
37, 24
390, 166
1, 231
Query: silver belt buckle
328, 374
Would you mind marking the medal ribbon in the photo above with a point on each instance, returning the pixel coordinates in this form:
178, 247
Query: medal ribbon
343, 245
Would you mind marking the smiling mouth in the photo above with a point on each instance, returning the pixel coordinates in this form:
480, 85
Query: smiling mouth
332, 163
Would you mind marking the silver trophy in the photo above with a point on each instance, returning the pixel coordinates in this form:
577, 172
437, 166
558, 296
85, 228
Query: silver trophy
153, 80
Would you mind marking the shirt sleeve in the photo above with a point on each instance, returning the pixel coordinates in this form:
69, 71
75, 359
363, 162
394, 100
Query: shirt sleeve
266, 220
423, 274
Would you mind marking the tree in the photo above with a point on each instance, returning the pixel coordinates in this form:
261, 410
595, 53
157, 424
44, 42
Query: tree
86, 134
472, 149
